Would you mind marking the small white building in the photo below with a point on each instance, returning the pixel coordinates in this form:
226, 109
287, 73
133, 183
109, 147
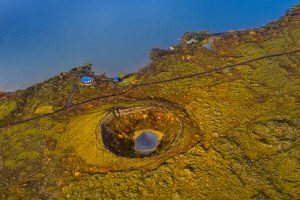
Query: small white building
191, 41
208, 45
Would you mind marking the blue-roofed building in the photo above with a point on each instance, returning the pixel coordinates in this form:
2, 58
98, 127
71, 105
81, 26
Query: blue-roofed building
86, 80
116, 79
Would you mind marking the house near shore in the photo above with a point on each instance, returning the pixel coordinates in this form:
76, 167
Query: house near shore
191, 41
86, 80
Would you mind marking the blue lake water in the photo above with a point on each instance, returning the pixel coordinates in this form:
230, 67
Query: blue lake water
39, 39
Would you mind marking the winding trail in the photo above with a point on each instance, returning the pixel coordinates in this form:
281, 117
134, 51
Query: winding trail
153, 83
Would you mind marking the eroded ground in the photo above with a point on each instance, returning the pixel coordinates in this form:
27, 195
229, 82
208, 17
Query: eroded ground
240, 135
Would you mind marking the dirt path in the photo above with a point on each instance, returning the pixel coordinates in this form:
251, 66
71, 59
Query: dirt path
154, 83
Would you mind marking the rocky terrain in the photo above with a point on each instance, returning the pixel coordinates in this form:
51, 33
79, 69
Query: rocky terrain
229, 118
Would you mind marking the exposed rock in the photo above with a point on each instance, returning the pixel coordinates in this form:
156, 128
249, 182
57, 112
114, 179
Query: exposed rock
157, 54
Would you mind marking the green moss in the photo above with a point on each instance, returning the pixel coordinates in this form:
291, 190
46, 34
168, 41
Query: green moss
10, 164
6, 108
247, 116
28, 155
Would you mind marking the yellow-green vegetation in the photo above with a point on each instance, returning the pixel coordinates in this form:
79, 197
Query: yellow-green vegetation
44, 109
6, 108
240, 133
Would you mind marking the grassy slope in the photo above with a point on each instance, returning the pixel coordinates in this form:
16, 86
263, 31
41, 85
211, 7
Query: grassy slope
249, 117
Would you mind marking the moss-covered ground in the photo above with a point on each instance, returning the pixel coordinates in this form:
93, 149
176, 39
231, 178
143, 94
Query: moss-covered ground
241, 137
